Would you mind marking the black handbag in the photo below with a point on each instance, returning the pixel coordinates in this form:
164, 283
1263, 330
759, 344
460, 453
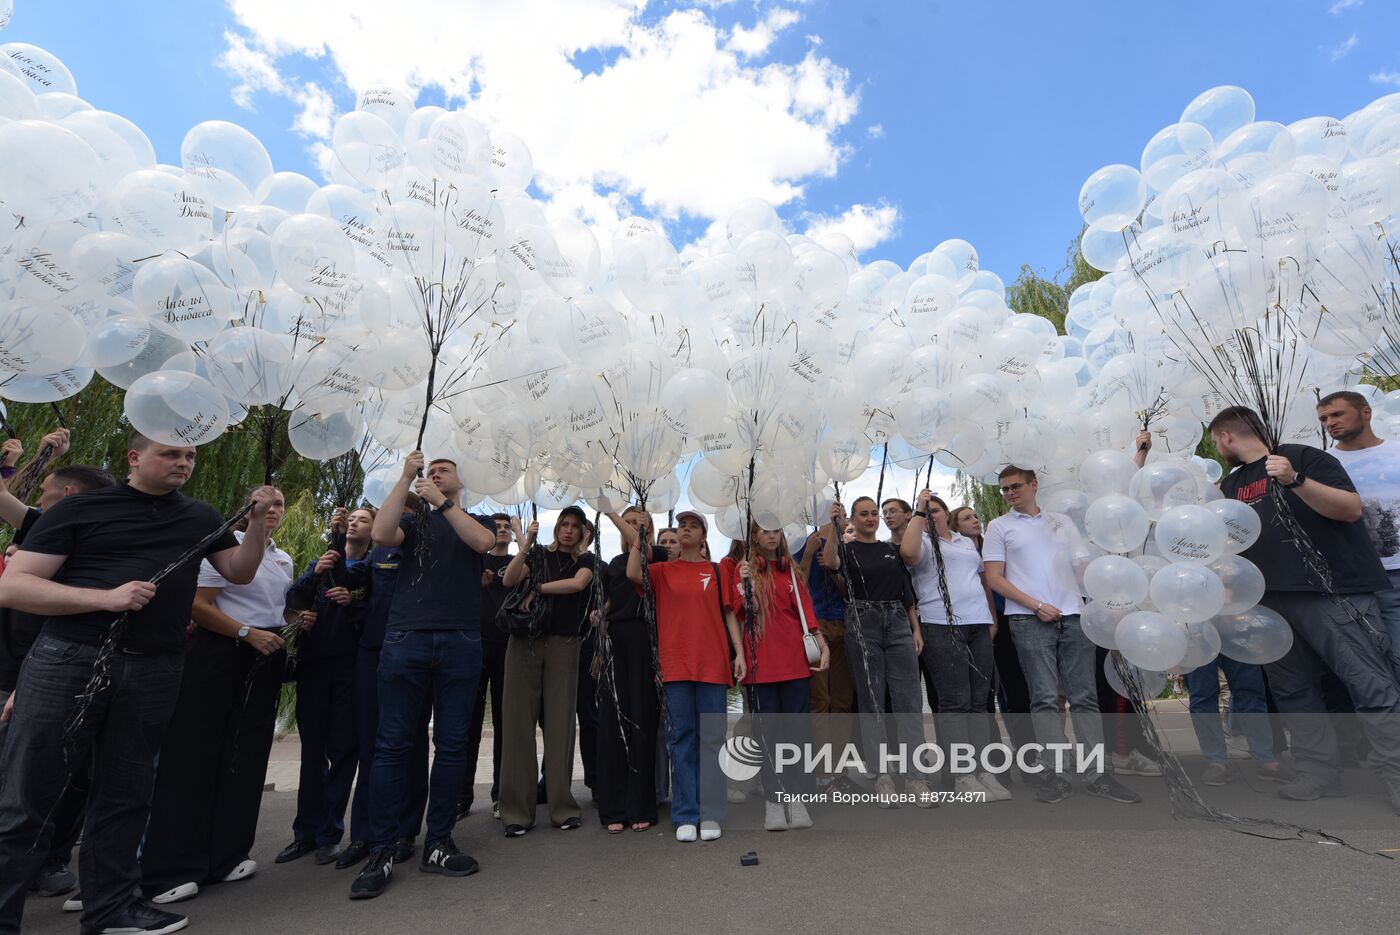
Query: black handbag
519, 615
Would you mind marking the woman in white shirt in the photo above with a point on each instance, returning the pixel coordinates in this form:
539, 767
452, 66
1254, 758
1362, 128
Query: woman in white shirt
957, 616
209, 782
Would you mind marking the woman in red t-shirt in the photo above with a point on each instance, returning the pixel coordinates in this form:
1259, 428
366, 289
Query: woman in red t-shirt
778, 674
691, 624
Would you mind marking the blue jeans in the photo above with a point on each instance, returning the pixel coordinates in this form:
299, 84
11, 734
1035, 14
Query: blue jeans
1390, 617
121, 738
1057, 657
1247, 700
698, 790
415, 666
415, 801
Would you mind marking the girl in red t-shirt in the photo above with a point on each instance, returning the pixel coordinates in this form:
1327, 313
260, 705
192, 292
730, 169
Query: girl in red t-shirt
691, 624
778, 674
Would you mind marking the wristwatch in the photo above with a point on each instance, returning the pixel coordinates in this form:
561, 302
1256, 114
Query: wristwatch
446, 505
920, 513
243, 632
1298, 478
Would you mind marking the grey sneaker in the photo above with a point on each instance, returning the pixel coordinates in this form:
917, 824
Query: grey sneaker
1216, 774
1306, 788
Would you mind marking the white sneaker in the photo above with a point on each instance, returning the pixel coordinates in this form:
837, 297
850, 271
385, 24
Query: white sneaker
243, 871
968, 785
923, 795
996, 792
1237, 748
884, 788
709, 831
737, 796
798, 816
176, 894
774, 817
74, 903
1135, 764
685, 834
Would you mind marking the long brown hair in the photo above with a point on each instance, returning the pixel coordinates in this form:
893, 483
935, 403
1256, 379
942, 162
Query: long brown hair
953, 523
766, 576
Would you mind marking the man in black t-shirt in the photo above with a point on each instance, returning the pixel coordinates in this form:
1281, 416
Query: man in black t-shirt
87, 561
1332, 609
493, 663
432, 651
19, 630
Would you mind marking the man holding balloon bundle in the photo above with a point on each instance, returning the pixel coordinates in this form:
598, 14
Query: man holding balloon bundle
432, 652
1324, 584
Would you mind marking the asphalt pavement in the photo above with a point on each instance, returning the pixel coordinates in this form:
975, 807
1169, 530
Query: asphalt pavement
1084, 865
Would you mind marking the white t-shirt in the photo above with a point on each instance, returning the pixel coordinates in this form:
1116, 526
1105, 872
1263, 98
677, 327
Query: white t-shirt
258, 603
1037, 559
1375, 472
962, 569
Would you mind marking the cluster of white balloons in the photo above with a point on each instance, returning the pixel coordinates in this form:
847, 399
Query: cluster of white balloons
1227, 219
1156, 550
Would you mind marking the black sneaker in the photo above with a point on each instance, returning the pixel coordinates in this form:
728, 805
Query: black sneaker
444, 858
374, 875
1054, 789
356, 852
295, 851
571, 824
516, 831
403, 849
1106, 787
141, 919
464, 808
54, 879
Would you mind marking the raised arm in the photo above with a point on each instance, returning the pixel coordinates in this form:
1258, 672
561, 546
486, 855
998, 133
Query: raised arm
634, 563
478, 537
239, 565
385, 531
27, 585
518, 567
831, 557
911, 547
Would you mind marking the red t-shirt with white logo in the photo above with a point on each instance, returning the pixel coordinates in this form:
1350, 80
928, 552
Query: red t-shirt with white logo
690, 631
780, 655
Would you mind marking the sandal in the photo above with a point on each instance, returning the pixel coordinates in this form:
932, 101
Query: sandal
640, 826
616, 828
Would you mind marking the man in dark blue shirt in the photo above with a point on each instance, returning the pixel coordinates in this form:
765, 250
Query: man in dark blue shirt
432, 650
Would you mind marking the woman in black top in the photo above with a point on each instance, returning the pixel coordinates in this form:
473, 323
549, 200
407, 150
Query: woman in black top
629, 712
541, 678
883, 640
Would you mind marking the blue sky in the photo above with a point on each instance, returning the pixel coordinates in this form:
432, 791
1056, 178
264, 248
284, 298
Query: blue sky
972, 120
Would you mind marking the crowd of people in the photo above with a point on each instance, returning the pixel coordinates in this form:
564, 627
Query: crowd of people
144, 647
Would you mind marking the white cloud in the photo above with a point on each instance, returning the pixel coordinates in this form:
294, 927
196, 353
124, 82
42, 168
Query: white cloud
680, 118
751, 43
1344, 48
866, 225
875, 131
1391, 78
1341, 6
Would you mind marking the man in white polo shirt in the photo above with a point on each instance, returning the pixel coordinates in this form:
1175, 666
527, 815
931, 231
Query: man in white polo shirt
1023, 553
1373, 465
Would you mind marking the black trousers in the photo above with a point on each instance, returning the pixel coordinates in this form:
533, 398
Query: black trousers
367, 727
627, 730
587, 710
120, 739
329, 747
492, 686
209, 779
